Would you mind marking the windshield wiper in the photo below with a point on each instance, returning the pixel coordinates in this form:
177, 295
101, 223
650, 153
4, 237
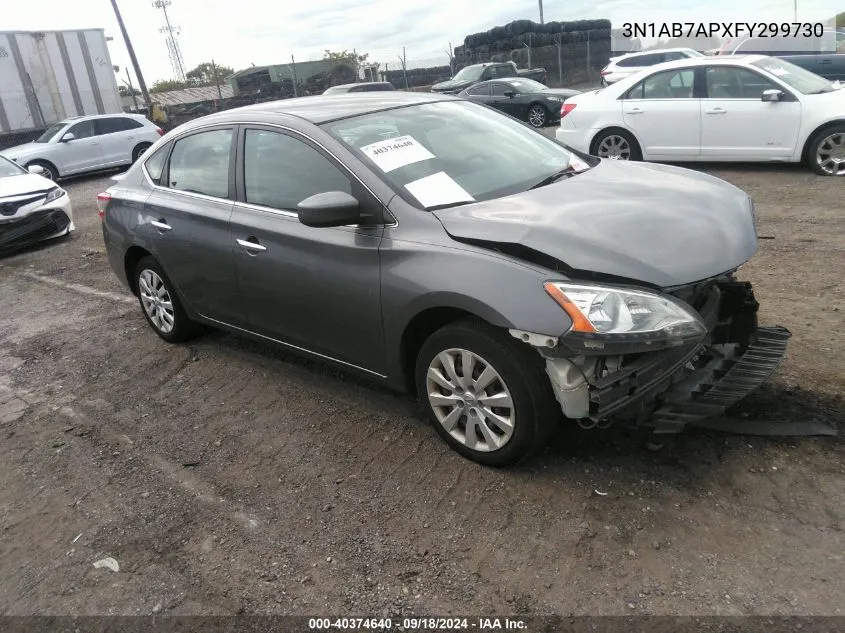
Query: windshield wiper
449, 205
563, 173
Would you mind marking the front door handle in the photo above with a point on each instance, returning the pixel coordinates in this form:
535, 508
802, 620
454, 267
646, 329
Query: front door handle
715, 111
634, 111
252, 245
161, 225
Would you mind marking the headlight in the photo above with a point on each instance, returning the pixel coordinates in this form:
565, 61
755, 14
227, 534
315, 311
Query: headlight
54, 194
617, 314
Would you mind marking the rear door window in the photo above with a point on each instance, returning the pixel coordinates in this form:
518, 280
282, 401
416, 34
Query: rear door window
199, 163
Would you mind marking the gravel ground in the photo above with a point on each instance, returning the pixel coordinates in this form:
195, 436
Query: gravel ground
226, 477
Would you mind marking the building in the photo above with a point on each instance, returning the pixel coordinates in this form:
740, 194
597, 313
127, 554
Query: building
278, 80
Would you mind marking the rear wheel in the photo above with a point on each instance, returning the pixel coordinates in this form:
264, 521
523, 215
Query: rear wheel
50, 170
827, 152
160, 305
538, 116
485, 393
616, 144
139, 151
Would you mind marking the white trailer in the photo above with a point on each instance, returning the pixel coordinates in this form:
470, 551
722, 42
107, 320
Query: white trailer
47, 76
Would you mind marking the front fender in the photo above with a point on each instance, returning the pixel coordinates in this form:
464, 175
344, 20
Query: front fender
503, 291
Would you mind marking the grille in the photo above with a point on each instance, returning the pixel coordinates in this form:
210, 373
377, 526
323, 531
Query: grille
10, 208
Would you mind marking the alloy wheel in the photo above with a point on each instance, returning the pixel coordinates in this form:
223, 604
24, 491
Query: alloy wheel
156, 299
470, 400
830, 155
614, 147
537, 116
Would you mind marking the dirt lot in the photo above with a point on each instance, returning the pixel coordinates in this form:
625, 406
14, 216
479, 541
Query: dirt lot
226, 477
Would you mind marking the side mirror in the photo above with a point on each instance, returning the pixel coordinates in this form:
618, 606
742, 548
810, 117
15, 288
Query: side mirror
510, 94
36, 169
772, 95
332, 208
67, 137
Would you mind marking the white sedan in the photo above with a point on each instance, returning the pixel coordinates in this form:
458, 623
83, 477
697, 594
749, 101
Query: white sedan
737, 108
631, 63
32, 208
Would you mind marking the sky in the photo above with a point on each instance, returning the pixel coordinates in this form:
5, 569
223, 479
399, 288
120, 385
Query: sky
241, 33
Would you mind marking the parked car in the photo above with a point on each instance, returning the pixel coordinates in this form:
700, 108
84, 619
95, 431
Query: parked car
32, 208
368, 86
89, 143
723, 108
524, 99
471, 75
627, 65
824, 56
439, 247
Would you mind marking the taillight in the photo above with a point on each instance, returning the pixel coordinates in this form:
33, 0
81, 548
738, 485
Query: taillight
103, 200
160, 131
604, 73
566, 108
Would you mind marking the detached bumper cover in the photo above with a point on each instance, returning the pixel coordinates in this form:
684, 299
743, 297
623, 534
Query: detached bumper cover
669, 389
685, 386
17, 233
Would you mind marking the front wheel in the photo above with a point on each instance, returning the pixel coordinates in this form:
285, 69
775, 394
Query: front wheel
160, 305
485, 393
538, 116
827, 152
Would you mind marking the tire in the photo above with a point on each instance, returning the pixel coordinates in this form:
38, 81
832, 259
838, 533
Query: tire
50, 170
626, 146
826, 152
150, 277
517, 372
538, 115
139, 151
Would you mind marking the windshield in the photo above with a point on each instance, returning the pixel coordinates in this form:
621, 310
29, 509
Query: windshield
470, 73
8, 168
50, 132
526, 85
454, 152
802, 80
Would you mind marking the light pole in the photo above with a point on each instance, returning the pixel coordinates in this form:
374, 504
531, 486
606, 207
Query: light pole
541, 11
141, 83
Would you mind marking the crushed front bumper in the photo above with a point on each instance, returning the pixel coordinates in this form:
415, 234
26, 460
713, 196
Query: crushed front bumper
671, 388
37, 226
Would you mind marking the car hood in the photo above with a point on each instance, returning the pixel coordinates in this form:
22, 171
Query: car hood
21, 151
658, 224
452, 85
24, 184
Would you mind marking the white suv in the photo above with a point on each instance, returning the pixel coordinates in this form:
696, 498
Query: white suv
87, 143
626, 65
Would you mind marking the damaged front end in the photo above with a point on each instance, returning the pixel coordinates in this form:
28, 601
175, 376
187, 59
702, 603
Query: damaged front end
690, 372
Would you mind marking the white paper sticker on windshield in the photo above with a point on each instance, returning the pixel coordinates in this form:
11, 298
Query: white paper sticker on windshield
438, 189
779, 71
578, 165
396, 152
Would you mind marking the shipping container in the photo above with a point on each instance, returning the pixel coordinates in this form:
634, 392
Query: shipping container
47, 76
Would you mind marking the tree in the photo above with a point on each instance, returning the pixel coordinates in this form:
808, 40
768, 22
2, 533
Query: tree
346, 56
166, 85
203, 75
840, 20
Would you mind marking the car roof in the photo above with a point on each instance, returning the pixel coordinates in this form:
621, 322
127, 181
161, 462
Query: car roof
360, 83
507, 80
324, 108
680, 49
708, 60
92, 117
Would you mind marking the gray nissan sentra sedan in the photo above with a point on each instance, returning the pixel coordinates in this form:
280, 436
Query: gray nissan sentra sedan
448, 250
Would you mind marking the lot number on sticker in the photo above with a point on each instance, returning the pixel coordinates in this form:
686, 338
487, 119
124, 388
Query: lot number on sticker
396, 152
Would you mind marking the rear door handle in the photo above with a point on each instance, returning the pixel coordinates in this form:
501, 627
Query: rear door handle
252, 245
161, 225
716, 111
